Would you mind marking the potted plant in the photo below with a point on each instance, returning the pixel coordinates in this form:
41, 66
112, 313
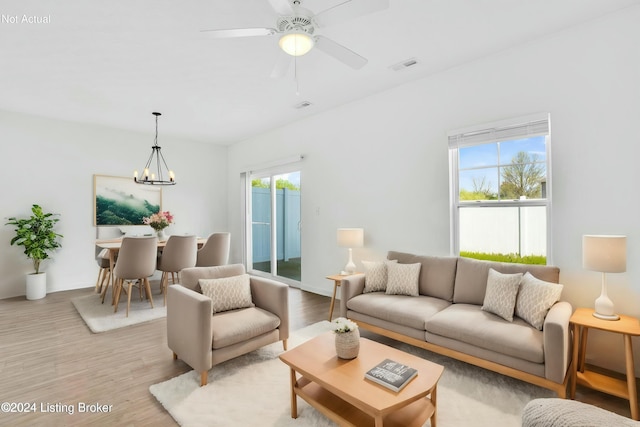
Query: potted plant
39, 239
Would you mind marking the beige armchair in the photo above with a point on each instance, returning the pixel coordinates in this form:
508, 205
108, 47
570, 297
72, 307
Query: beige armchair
203, 340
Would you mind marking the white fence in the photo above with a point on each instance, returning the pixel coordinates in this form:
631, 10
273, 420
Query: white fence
504, 230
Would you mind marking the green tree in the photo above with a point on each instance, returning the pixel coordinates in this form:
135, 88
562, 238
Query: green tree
523, 177
280, 184
481, 191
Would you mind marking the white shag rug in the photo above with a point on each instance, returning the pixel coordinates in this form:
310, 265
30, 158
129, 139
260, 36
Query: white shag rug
100, 317
253, 390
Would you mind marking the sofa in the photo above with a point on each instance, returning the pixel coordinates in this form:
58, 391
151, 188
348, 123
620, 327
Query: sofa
218, 313
451, 311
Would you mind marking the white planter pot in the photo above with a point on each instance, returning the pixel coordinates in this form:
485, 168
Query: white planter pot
36, 286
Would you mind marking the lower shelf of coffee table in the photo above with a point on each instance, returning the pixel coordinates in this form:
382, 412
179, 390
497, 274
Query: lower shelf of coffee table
345, 414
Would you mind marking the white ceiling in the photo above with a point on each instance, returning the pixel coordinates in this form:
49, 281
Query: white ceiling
115, 62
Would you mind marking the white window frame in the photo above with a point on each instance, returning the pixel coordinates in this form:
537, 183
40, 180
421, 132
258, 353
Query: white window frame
505, 130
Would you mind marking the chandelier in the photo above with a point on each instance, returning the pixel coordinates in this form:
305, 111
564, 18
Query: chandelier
153, 170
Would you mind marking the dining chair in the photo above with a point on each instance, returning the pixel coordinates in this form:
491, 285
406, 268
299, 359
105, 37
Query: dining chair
180, 252
104, 273
215, 250
136, 262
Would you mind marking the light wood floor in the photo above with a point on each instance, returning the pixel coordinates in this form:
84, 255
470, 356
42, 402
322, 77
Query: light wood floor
48, 356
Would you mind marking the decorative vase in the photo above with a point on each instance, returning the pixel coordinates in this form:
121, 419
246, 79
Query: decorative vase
348, 344
36, 286
161, 235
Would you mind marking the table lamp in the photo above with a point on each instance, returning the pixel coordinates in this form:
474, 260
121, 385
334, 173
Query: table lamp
607, 254
350, 238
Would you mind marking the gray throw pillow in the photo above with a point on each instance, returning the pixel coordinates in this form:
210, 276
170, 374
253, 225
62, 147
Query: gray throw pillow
403, 279
375, 275
500, 297
535, 299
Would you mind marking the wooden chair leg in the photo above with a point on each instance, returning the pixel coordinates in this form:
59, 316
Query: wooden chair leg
284, 344
98, 281
129, 297
104, 291
203, 378
116, 294
147, 287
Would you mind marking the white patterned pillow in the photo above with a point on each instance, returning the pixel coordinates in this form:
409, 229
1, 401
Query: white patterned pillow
501, 293
535, 299
228, 293
403, 279
375, 275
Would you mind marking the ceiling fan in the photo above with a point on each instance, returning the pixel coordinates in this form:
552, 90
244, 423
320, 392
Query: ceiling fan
297, 28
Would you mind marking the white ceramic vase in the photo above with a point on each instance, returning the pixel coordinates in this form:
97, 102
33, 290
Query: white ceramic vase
36, 286
161, 236
348, 344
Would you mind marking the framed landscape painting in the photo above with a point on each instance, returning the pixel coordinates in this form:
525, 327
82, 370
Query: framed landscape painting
120, 201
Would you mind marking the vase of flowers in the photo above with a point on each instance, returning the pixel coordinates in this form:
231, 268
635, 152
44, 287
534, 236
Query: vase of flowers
347, 338
159, 221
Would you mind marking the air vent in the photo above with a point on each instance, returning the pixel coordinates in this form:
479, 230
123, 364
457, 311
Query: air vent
303, 104
407, 63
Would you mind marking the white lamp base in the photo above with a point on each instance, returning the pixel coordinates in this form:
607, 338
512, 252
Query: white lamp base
350, 268
604, 306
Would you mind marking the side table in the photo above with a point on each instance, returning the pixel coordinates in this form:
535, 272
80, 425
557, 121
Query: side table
583, 319
337, 281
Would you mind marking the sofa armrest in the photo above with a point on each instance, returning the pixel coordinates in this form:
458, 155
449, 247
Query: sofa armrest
350, 286
557, 341
272, 296
189, 333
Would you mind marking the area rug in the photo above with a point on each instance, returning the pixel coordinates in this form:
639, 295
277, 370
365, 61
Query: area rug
253, 390
100, 317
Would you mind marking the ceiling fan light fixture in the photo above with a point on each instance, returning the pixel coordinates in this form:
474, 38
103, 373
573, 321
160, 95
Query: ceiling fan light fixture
296, 43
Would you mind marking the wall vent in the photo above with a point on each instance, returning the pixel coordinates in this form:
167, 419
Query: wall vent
303, 104
407, 63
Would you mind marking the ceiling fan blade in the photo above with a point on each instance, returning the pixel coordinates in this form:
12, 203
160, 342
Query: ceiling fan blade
239, 32
282, 7
349, 10
281, 66
340, 52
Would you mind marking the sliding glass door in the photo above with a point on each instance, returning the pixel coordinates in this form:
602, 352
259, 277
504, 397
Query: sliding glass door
275, 227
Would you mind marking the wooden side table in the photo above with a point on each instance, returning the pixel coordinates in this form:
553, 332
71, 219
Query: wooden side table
337, 281
627, 326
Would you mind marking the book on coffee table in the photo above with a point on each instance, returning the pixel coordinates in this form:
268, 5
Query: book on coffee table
391, 374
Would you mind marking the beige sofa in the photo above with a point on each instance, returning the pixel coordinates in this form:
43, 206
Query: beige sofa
446, 318
202, 339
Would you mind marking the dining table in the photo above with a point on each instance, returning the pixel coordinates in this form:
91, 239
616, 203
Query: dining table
114, 245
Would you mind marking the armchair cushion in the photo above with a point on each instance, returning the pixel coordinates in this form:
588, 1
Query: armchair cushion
535, 299
228, 293
235, 326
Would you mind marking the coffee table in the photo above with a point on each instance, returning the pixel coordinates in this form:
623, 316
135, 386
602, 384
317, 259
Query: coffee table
337, 387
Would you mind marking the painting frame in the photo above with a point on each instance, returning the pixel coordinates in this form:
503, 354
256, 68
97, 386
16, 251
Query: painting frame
119, 201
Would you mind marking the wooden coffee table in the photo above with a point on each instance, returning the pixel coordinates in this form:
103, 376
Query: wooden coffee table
337, 387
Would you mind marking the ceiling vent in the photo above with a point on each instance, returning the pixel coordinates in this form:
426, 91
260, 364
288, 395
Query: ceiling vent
407, 63
303, 104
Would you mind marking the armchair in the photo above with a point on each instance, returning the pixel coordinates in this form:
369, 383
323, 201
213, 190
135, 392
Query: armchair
202, 339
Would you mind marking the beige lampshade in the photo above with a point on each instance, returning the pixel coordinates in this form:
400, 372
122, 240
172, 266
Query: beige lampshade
607, 254
350, 237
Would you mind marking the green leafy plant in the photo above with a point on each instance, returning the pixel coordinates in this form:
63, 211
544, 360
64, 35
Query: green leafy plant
36, 234
514, 258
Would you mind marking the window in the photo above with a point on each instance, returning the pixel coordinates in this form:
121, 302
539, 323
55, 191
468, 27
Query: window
501, 190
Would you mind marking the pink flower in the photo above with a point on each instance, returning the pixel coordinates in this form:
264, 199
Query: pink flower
158, 221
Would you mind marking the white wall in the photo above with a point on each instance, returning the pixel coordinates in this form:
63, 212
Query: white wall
381, 163
51, 163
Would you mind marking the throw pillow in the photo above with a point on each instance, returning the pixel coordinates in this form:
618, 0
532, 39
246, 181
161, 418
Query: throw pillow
501, 293
228, 293
535, 299
375, 275
403, 279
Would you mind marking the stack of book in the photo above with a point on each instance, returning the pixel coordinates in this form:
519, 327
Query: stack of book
391, 374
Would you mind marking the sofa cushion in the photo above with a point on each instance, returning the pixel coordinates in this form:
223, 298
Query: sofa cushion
232, 327
403, 279
469, 324
535, 299
375, 275
399, 309
437, 274
471, 277
500, 298
228, 293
